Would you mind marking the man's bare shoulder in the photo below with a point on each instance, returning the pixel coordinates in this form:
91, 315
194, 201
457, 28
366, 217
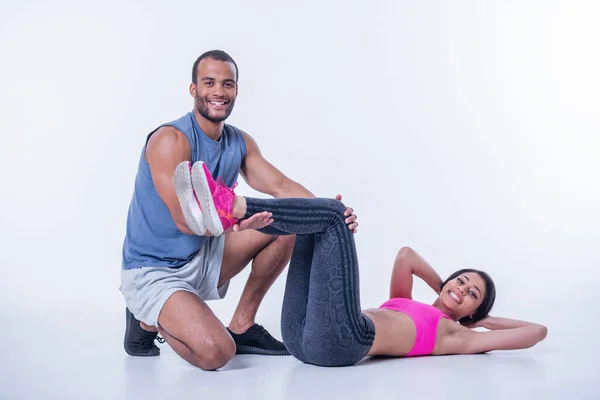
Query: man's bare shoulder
251, 144
167, 138
167, 132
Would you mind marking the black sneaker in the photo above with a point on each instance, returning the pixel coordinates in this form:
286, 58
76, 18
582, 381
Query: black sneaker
256, 340
138, 341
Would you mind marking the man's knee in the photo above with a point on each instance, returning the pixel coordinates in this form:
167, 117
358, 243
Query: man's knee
214, 353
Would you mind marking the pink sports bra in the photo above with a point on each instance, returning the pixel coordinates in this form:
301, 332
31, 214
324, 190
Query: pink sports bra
426, 319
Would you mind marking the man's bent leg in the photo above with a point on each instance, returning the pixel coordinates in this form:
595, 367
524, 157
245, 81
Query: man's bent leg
147, 290
269, 256
139, 337
140, 301
194, 332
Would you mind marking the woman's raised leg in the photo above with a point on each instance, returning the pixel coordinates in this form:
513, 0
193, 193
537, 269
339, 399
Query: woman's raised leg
322, 322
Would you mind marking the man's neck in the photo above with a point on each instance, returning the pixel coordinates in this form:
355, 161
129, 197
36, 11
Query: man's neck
211, 129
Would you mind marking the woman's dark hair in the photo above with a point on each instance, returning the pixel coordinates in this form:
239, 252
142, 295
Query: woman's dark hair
488, 301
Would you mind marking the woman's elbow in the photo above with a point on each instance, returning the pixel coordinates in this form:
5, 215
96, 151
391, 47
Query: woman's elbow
542, 332
405, 252
532, 335
537, 334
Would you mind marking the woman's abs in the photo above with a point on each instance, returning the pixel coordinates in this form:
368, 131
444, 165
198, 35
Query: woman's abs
395, 332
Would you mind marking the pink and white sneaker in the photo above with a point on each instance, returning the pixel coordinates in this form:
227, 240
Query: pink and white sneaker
215, 197
188, 201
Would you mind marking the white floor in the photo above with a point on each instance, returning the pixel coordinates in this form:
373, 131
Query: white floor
67, 354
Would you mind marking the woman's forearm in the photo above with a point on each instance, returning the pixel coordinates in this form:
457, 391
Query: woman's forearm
521, 337
499, 323
424, 271
407, 264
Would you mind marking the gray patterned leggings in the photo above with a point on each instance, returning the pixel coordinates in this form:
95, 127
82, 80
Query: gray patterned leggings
321, 322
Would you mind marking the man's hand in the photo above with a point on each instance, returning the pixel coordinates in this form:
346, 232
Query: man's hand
257, 221
351, 217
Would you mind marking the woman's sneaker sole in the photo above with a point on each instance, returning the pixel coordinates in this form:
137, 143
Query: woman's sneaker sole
187, 199
203, 191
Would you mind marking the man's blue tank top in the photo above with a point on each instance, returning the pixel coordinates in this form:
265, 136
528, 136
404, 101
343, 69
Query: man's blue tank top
152, 239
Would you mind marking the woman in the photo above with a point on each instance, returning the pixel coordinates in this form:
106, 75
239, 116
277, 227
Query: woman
322, 322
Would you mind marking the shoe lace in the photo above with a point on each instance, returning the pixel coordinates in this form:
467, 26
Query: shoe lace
222, 183
265, 333
145, 341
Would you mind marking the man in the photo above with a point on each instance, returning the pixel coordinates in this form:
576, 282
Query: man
170, 266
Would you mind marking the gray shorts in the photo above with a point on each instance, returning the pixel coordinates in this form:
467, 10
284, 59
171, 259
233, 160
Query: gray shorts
147, 289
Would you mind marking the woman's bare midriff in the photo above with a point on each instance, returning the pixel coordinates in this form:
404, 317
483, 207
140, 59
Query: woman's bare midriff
394, 332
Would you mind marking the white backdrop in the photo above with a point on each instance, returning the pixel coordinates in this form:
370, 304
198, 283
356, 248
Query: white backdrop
467, 131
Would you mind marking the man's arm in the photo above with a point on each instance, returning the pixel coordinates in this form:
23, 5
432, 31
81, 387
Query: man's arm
167, 148
263, 177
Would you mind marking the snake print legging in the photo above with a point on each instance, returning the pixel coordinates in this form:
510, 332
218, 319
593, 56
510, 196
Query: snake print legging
321, 322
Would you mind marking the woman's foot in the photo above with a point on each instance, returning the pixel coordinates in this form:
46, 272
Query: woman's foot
218, 202
188, 201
